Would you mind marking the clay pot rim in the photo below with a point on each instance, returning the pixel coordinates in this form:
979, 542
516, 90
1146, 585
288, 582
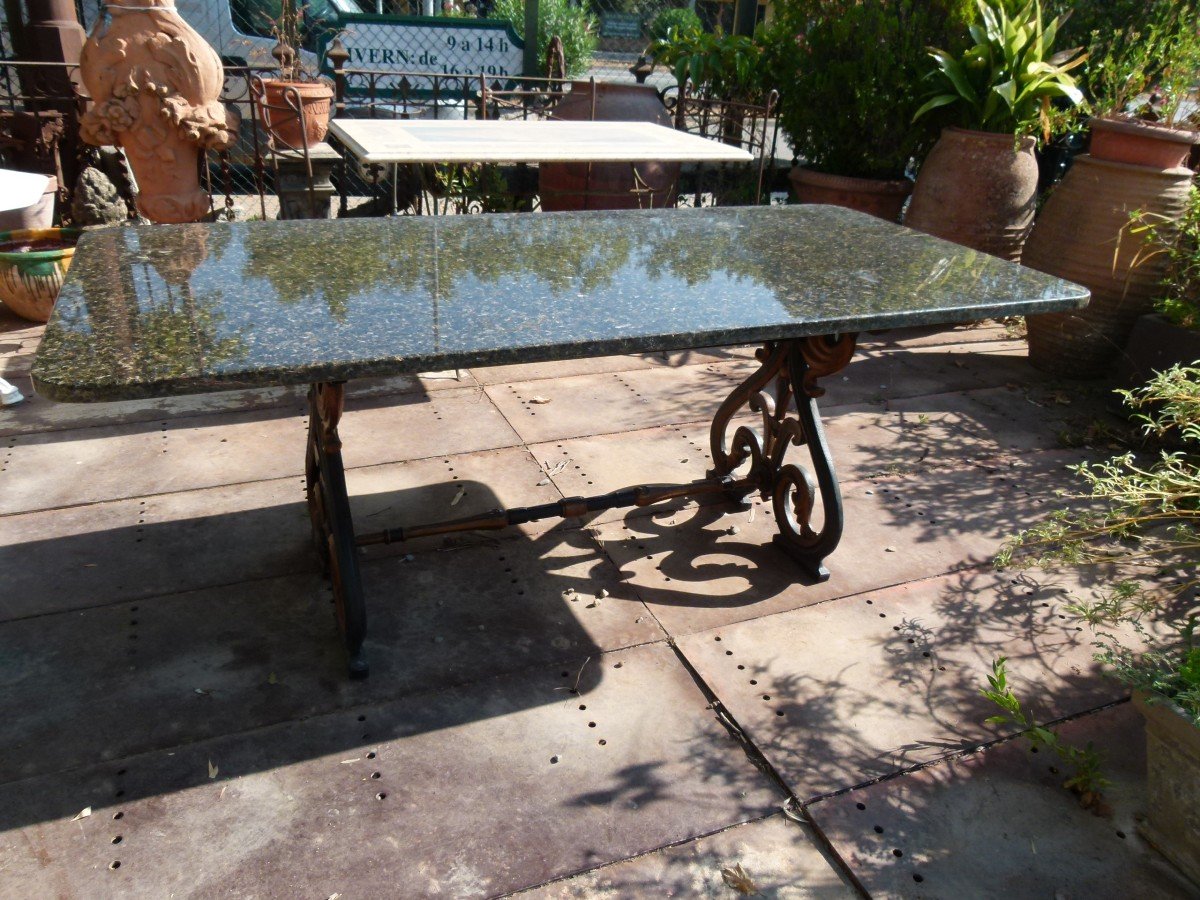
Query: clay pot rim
1175, 172
851, 182
33, 234
1020, 143
1142, 128
308, 89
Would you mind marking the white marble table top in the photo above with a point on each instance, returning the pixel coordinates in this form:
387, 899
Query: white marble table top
519, 140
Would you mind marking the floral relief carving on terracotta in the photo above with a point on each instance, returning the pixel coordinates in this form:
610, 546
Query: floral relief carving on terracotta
156, 85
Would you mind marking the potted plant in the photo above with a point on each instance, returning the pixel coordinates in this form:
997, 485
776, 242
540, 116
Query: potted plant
294, 109
978, 186
1171, 334
849, 76
1091, 228
1139, 76
1141, 522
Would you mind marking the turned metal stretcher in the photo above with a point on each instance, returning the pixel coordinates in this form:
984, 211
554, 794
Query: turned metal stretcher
148, 312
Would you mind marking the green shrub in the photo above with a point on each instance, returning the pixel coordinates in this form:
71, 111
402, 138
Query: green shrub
556, 17
719, 64
681, 20
849, 76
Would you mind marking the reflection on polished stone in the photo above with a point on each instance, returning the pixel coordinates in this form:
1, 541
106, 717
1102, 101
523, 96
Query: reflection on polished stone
190, 308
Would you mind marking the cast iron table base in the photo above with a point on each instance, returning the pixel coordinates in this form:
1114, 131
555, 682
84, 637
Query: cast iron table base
783, 391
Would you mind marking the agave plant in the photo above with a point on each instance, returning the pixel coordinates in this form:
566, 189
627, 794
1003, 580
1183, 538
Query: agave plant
1008, 80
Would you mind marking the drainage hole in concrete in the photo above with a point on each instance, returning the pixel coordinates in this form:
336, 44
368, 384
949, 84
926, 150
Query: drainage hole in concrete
376, 774
860, 806
117, 839
729, 653
717, 638
918, 878
741, 666
879, 829
883, 615
382, 795
118, 815
122, 771
583, 706
602, 742
565, 674
766, 696
115, 864
371, 755
897, 853
119, 794
754, 681
362, 718
925, 654
591, 724
616, 665
1121, 835
779, 712
554, 760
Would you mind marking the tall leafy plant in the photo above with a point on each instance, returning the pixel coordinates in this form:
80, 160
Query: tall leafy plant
849, 72
722, 65
1008, 79
572, 24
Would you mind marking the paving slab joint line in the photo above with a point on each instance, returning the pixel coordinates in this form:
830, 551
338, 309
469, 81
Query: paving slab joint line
981, 747
792, 806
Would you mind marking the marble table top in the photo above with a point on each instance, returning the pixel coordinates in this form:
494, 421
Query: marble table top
524, 140
168, 309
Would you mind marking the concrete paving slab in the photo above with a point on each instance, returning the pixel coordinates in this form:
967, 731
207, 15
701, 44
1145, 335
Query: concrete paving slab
480, 790
713, 565
867, 442
559, 369
38, 414
998, 823
86, 556
64, 468
778, 854
937, 335
261, 652
585, 405
839, 694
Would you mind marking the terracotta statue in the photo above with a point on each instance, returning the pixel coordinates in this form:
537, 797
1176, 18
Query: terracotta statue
155, 83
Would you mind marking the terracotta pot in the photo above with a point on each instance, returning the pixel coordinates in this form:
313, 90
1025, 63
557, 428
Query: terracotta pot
1172, 823
570, 186
1155, 344
878, 197
1084, 235
30, 279
278, 116
978, 189
1125, 140
155, 86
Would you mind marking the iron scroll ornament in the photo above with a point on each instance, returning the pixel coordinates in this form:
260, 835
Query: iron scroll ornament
792, 367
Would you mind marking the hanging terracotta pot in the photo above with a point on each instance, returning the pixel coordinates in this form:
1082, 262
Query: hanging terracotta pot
277, 111
883, 198
155, 86
1125, 140
571, 186
1086, 234
978, 189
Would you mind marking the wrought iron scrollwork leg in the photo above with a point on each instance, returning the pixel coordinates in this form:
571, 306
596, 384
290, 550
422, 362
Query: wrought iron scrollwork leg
332, 527
793, 368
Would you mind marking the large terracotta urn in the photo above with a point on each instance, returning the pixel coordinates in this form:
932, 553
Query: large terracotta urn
641, 185
879, 197
978, 189
1127, 140
155, 84
1089, 232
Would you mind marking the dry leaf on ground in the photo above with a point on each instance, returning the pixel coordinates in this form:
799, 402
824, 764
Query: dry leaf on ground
738, 879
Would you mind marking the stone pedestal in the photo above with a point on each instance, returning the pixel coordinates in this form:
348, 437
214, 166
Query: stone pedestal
296, 201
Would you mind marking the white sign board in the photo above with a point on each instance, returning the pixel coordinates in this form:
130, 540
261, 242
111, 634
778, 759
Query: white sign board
438, 46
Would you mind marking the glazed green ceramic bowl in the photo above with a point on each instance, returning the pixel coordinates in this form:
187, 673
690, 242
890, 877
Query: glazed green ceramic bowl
33, 264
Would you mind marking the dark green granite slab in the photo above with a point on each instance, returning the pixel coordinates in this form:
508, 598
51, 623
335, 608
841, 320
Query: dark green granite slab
190, 308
